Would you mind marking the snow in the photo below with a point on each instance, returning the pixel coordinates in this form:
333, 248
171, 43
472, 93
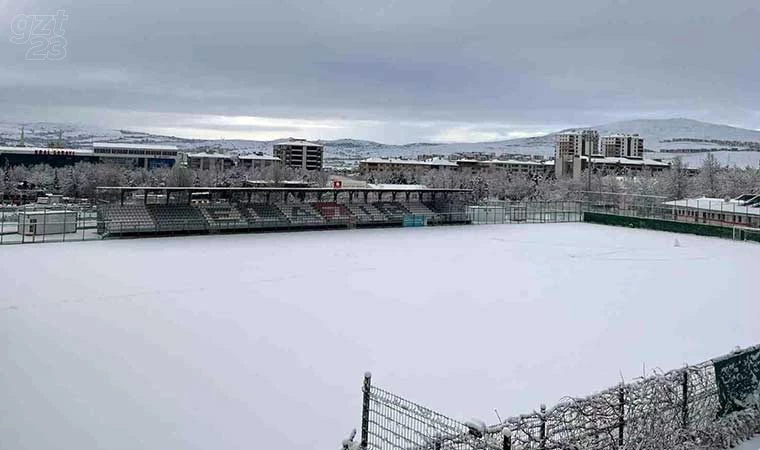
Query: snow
241, 341
752, 444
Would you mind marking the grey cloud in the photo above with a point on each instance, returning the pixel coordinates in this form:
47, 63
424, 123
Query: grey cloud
528, 64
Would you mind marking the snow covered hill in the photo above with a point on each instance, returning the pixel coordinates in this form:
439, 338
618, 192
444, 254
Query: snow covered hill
658, 134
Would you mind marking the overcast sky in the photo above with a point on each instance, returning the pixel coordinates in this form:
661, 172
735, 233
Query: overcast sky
388, 70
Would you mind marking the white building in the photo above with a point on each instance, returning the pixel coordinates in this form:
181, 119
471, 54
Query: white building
623, 146
35, 223
138, 155
300, 154
395, 164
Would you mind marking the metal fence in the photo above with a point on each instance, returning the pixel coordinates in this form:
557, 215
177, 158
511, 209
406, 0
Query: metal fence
658, 412
707, 211
526, 212
84, 225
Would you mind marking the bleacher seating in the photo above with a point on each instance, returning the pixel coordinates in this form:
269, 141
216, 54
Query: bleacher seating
177, 217
301, 213
419, 209
366, 213
223, 215
334, 212
126, 218
263, 215
392, 210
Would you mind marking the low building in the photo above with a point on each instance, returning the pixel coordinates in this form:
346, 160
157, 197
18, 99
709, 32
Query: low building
300, 154
54, 157
36, 223
210, 161
743, 211
371, 165
257, 161
509, 166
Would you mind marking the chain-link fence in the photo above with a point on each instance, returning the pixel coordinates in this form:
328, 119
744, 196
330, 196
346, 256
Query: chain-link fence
525, 212
663, 411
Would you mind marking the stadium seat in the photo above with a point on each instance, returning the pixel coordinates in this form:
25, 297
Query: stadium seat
392, 210
126, 219
177, 217
301, 213
263, 215
366, 213
223, 216
334, 212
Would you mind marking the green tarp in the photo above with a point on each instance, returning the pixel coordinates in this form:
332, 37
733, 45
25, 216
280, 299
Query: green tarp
738, 380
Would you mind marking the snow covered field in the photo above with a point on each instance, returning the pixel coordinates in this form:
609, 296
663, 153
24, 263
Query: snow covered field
260, 341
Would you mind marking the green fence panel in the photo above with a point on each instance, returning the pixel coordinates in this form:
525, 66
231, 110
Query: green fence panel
737, 377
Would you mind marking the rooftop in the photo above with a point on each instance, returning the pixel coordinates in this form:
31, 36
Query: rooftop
263, 157
209, 155
298, 142
716, 204
126, 146
430, 162
46, 150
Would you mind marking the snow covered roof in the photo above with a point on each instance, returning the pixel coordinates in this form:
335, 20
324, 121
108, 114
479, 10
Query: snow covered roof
620, 135
209, 155
398, 187
262, 157
626, 161
298, 142
717, 205
47, 151
411, 162
128, 146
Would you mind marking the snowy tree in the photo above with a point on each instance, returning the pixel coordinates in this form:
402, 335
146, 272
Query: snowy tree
677, 182
180, 177
709, 177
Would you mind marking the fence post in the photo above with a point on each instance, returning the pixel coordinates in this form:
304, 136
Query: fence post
507, 442
621, 426
685, 405
542, 429
365, 410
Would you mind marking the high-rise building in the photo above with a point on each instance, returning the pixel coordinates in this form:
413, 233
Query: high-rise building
300, 154
623, 146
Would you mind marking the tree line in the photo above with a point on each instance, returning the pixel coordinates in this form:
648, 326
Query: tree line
80, 180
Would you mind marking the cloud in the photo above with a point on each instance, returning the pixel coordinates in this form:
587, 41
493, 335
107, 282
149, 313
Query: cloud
387, 70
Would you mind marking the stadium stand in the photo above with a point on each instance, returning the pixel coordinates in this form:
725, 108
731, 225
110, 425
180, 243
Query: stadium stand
126, 218
263, 214
301, 213
366, 213
177, 217
392, 210
221, 215
124, 209
334, 212
419, 209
